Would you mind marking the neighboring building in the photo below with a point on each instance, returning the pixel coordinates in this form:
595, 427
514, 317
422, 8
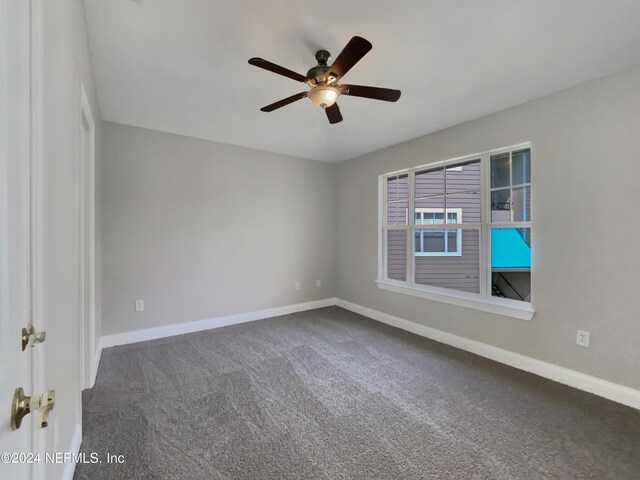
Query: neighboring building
450, 257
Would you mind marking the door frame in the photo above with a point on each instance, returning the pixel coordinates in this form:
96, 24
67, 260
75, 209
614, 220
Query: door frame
42, 438
89, 357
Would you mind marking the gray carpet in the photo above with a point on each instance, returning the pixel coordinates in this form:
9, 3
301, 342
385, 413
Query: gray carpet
328, 394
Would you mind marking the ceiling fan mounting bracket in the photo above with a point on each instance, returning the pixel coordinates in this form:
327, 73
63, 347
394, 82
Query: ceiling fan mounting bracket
322, 56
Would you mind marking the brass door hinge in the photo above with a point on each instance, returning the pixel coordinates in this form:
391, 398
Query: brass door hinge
31, 338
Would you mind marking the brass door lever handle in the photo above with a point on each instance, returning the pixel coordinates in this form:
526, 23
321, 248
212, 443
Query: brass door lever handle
32, 338
23, 406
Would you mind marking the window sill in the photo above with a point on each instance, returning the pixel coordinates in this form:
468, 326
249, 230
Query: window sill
506, 307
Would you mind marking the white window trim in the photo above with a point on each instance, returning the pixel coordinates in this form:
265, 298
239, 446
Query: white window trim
499, 306
458, 212
482, 301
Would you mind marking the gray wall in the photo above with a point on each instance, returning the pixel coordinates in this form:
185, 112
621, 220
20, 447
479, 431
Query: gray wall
200, 229
586, 174
66, 64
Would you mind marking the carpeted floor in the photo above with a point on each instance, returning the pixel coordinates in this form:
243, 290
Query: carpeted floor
328, 394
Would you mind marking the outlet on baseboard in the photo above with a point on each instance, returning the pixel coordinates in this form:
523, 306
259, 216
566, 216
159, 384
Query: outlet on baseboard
139, 305
318, 283
297, 285
582, 338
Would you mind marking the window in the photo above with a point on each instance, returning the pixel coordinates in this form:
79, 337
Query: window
468, 235
438, 243
511, 224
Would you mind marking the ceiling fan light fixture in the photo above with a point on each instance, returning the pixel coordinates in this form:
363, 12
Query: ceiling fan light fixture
323, 96
323, 80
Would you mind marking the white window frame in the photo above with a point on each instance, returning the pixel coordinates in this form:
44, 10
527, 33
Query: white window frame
480, 301
445, 253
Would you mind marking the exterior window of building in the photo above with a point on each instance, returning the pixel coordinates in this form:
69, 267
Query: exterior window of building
440, 242
461, 225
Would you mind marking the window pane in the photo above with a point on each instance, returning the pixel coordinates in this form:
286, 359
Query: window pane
455, 272
398, 187
466, 207
433, 241
521, 166
434, 218
397, 212
452, 241
429, 189
511, 263
429, 217
500, 175
429, 203
397, 200
521, 205
501, 205
467, 176
397, 254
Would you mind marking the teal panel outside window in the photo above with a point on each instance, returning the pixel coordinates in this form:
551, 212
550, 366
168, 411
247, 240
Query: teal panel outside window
509, 249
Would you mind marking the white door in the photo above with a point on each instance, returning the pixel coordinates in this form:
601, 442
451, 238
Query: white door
16, 448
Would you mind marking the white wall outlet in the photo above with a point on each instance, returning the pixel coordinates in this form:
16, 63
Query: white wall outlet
582, 338
139, 305
318, 283
297, 285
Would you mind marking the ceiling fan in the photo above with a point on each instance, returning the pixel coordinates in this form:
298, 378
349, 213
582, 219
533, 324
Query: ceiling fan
323, 80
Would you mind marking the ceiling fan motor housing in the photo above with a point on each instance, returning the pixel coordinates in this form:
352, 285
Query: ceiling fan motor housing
322, 56
318, 74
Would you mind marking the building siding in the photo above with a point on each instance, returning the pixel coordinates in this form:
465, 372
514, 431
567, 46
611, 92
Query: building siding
458, 272
397, 254
463, 272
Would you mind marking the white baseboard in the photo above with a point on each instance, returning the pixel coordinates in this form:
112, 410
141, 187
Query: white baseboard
612, 391
74, 448
207, 324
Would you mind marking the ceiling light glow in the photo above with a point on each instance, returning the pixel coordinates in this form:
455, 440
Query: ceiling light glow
323, 96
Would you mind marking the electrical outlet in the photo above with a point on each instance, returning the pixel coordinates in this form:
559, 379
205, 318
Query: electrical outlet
139, 305
318, 283
582, 338
297, 285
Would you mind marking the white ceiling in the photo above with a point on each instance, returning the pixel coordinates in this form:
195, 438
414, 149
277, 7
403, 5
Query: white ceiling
181, 66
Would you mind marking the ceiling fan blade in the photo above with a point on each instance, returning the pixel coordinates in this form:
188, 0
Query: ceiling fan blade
386, 94
349, 56
333, 113
272, 67
283, 102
